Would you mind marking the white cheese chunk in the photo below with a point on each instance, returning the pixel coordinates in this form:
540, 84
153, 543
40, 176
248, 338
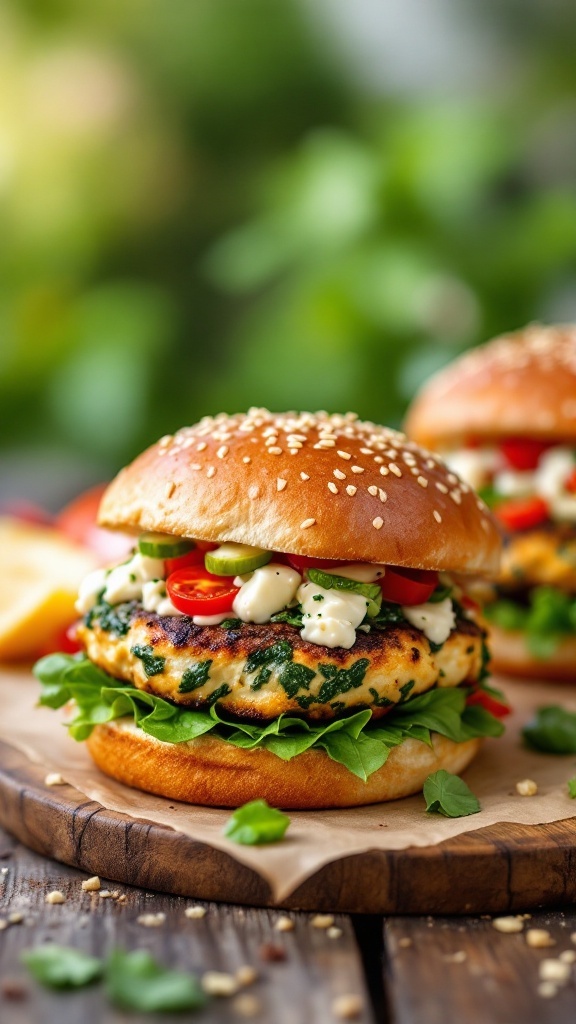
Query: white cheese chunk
474, 465
361, 572
90, 587
155, 599
330, 617
435, 620
124, 583
268, 590
554, 468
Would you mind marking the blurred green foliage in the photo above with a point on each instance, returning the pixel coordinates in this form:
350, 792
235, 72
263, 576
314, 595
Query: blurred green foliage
201, 210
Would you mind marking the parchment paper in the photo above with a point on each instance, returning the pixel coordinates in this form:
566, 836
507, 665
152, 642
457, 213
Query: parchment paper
316, 837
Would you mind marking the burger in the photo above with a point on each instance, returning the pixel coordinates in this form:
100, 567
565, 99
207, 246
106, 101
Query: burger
293, 622
504, 417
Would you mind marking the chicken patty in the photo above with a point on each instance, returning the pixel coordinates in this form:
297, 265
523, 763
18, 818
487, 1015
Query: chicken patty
540, 557
258, 672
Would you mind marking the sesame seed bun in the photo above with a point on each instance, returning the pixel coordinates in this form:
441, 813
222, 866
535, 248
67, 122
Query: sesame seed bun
511, 656
214, 773
317, 485
518, 385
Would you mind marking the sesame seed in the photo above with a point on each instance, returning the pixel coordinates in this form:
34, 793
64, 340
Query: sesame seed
253, 491
274, 451
395, 469
304, 476
294, 444
373, 490
195, 466
422, 481
441, 487
384, 470
326, 442
307, 524
339, 474
280, 483
343, 455
437, 516
378, 523
200, 447
170, 488
210, 471
366, 451
357, 469
430, 463
246, 459
382, 494
222, 451
351, 490
332, 487
452, 478
378, 458
456, 496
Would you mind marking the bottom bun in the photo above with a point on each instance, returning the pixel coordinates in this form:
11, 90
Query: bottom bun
511, 657
212, 772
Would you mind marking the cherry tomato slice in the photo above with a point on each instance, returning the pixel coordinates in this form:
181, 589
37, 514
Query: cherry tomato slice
522, 513
194, 557
195, 591
408, 586
570, 484
522, 453
64, 642
489, 703
303, 562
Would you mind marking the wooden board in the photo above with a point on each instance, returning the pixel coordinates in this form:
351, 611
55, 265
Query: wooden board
492, 870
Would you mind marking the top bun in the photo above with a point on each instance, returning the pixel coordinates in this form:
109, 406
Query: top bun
310, 484
518, 385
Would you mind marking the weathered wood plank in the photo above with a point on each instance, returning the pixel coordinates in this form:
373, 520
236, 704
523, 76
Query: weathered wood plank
296, 990
444, 970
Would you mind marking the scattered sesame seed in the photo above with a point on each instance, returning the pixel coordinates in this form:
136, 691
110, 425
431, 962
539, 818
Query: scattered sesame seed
378, 523
210, 471
441, 487
304, 476
343, 455
284, 924
246, 459
339, 474
373, 490
351, 490
253, 491
169, 489
382, 495
378, 458
422, 481
456, 497
437, 516
332, 487
55, 897
222, 451
357, 469
275, 451
280, 483
395, 469
54, 779
384, 470
91, 884
366, 451
322, 921
307, 524
217, 983
526, 787
201, 447
326, 442
195, 912
151, 920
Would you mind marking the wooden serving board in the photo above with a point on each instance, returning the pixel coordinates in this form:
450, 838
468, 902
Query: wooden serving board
497, 869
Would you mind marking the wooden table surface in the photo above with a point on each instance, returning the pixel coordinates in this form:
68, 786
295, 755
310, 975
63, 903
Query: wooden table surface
408, 970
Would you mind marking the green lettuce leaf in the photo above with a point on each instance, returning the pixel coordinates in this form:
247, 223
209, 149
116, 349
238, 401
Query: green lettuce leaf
545, 618
361, 745
61, 966
255, 823
135, 981
552, 730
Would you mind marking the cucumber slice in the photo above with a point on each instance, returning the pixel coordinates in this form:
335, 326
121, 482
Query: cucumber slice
162, 545
235, 559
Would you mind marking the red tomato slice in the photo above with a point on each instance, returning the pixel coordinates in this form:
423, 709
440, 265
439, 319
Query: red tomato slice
195, 591
522, 513
491, 704
570, 484
64, 642
522, 453
303, 562
408, 586
194, 557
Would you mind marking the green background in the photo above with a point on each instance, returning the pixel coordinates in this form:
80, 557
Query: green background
210, 204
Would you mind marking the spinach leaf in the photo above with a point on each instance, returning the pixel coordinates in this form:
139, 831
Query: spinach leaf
449, 795
135, 981
62, 967
293, 616
231, 624
113, 619
195, 676
389, 615
294, 677
340, 680
371, 591
552, 730
153, 663
256, 823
